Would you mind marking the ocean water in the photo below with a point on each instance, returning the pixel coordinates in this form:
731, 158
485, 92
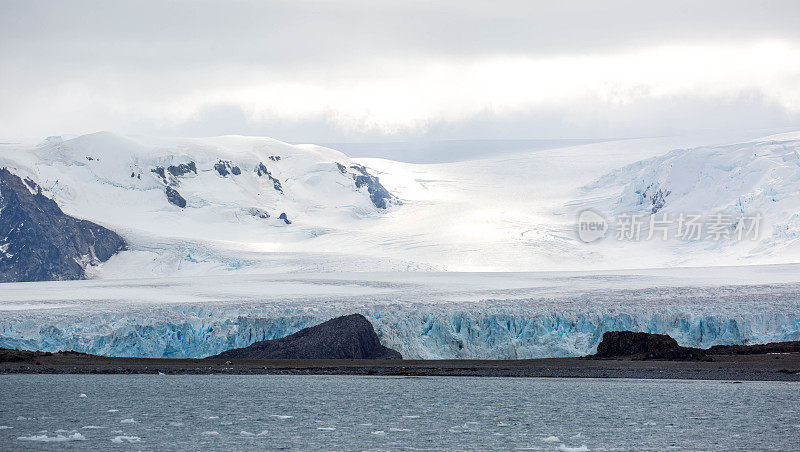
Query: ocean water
157, 412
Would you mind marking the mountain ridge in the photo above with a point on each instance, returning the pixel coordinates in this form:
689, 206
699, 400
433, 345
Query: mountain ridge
41, 242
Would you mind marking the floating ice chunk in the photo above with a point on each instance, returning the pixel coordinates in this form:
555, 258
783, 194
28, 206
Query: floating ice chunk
23, 418
378, 432
82, 396
368, 424
411, 416
127, 421
281, 416
210, 433
213, 417
264, 433
246, 433
125, 439
565, 448
176, 424
93, 427
53, 439
551, 439
395, 429
113, 411
327, 429
5, 427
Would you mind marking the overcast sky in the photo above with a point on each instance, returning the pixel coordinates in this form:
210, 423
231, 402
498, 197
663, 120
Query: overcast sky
331, 71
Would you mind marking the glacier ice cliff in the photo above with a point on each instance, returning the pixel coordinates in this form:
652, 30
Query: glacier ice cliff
488, 328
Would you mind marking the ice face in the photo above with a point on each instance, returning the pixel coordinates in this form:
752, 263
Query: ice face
439, 333
488, 316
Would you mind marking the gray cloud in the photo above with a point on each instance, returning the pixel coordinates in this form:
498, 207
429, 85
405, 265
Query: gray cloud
187, 68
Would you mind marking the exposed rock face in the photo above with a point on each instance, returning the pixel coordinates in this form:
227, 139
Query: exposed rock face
221, 168
379, 196
756, 349
174, 197
183, 168
285, 219
38, 242
262, 170
346, 337
656, 197
629, 344
159, 171
224, 168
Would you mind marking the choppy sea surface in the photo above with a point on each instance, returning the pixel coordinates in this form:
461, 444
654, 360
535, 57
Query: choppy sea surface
158, 412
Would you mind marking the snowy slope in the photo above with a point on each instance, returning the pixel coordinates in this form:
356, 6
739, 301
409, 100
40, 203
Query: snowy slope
738, 181
235, 190
518, 212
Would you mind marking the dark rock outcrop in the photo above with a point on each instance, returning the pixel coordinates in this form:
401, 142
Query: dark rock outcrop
379, 196
159, 171
262, 170
221, 168
39, 242
636, 345
755, 349
181, 169
224, 168
656, 197
346, 337
283, 217
174, 197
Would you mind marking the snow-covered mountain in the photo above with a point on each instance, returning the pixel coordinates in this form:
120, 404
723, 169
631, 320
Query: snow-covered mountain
199, 204
732, 184
225, 270
256, 205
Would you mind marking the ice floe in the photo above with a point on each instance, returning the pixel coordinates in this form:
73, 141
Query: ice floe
53, 439
125, 439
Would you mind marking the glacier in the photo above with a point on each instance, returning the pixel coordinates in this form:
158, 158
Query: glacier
429, 316
224, 270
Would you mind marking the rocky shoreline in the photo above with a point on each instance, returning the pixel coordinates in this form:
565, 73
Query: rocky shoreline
348, 345
782, 366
